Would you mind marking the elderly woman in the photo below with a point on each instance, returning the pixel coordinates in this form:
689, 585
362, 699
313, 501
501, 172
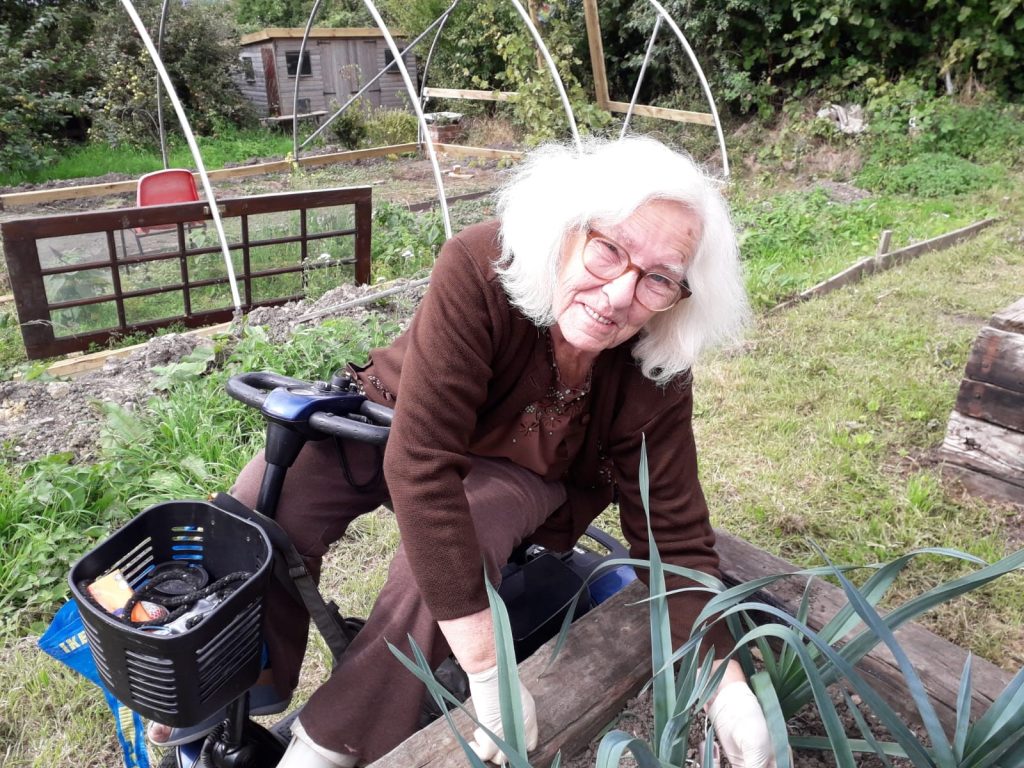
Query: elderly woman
550, 344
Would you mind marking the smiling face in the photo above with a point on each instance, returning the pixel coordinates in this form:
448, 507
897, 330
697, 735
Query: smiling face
591, 314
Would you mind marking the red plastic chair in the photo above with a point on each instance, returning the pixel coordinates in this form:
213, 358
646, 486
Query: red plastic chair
173, 185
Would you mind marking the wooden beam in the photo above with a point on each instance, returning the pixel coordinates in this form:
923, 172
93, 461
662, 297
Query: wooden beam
983, 485
985, 448
296, 33
38, 196
1011, 318
607, 659
484, 152
662, 113
76, 366
593, 22
992, 404
468, 94
873, 264
604, 663
997, 357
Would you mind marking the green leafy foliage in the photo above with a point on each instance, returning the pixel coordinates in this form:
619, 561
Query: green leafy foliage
349, 128
404, 242
931, 175
386, 127
200, 51
486, 46
49, 71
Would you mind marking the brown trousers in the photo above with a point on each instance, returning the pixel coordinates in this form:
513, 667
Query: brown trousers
371, 703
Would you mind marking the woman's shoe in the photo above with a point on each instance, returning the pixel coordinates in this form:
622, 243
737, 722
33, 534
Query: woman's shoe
263, 700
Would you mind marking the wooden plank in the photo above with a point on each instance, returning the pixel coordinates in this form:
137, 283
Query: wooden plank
484, 152
938, 662
992, 404
76, 366
997, 357
663, 113
604, 663
596, 46
67, 193
36, 197
1011, 318
873, 264
607, 658
985, 486
274, 33
468, 94
985, 448
7, 298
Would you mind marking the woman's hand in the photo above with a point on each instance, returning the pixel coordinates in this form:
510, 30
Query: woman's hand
472, 641
739, 723
483, 690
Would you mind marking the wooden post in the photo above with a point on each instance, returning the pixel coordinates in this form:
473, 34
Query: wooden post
531, 6
596, 53
883, 242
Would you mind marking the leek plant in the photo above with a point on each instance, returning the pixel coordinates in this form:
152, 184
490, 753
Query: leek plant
798, 674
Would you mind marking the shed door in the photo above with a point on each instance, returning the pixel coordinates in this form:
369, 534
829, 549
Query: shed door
368, 68
328, 73
270, 74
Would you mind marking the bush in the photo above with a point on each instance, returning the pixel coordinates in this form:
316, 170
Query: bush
385, 127
349, 128
48, 72
200, 52
933, 174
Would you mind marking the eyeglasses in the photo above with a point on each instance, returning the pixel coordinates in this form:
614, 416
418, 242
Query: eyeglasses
607, 260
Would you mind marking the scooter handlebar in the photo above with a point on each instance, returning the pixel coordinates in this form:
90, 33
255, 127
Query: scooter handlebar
349, 429
252, 388
373, 427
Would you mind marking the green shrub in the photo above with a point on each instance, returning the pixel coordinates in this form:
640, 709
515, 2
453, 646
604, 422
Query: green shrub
349, 128
385, 127
934, 174
404, 242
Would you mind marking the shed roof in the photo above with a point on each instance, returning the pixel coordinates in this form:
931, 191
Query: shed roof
277, 33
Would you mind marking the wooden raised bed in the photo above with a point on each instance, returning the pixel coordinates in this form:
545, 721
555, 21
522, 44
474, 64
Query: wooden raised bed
984, 445
606, 661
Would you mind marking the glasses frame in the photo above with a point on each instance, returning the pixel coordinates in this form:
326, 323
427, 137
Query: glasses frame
685, 291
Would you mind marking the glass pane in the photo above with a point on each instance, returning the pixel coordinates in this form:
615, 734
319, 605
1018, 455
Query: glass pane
76, 320
207, 298
67, 250
159, 306
83, 284
330, 264
271, 226
333, 219
277, 287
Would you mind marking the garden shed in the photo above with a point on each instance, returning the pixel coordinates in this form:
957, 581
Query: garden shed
334, 66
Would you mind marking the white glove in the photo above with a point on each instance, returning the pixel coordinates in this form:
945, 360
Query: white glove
741, 728
483, 688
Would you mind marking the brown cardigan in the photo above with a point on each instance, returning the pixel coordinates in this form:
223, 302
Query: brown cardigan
470, 361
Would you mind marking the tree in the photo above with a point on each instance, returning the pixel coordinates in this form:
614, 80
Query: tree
49, 71
200, 52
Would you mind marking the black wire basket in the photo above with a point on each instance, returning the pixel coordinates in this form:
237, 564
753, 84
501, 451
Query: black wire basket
179, 679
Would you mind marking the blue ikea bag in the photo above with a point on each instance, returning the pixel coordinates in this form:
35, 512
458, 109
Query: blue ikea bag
65, 640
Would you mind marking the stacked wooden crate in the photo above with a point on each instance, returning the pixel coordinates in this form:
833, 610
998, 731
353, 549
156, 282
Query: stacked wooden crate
984, 442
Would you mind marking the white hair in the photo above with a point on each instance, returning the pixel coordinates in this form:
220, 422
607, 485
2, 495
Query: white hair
559, 190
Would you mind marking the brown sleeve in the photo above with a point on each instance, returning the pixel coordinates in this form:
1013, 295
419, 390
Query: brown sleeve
679, 514
445, 373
